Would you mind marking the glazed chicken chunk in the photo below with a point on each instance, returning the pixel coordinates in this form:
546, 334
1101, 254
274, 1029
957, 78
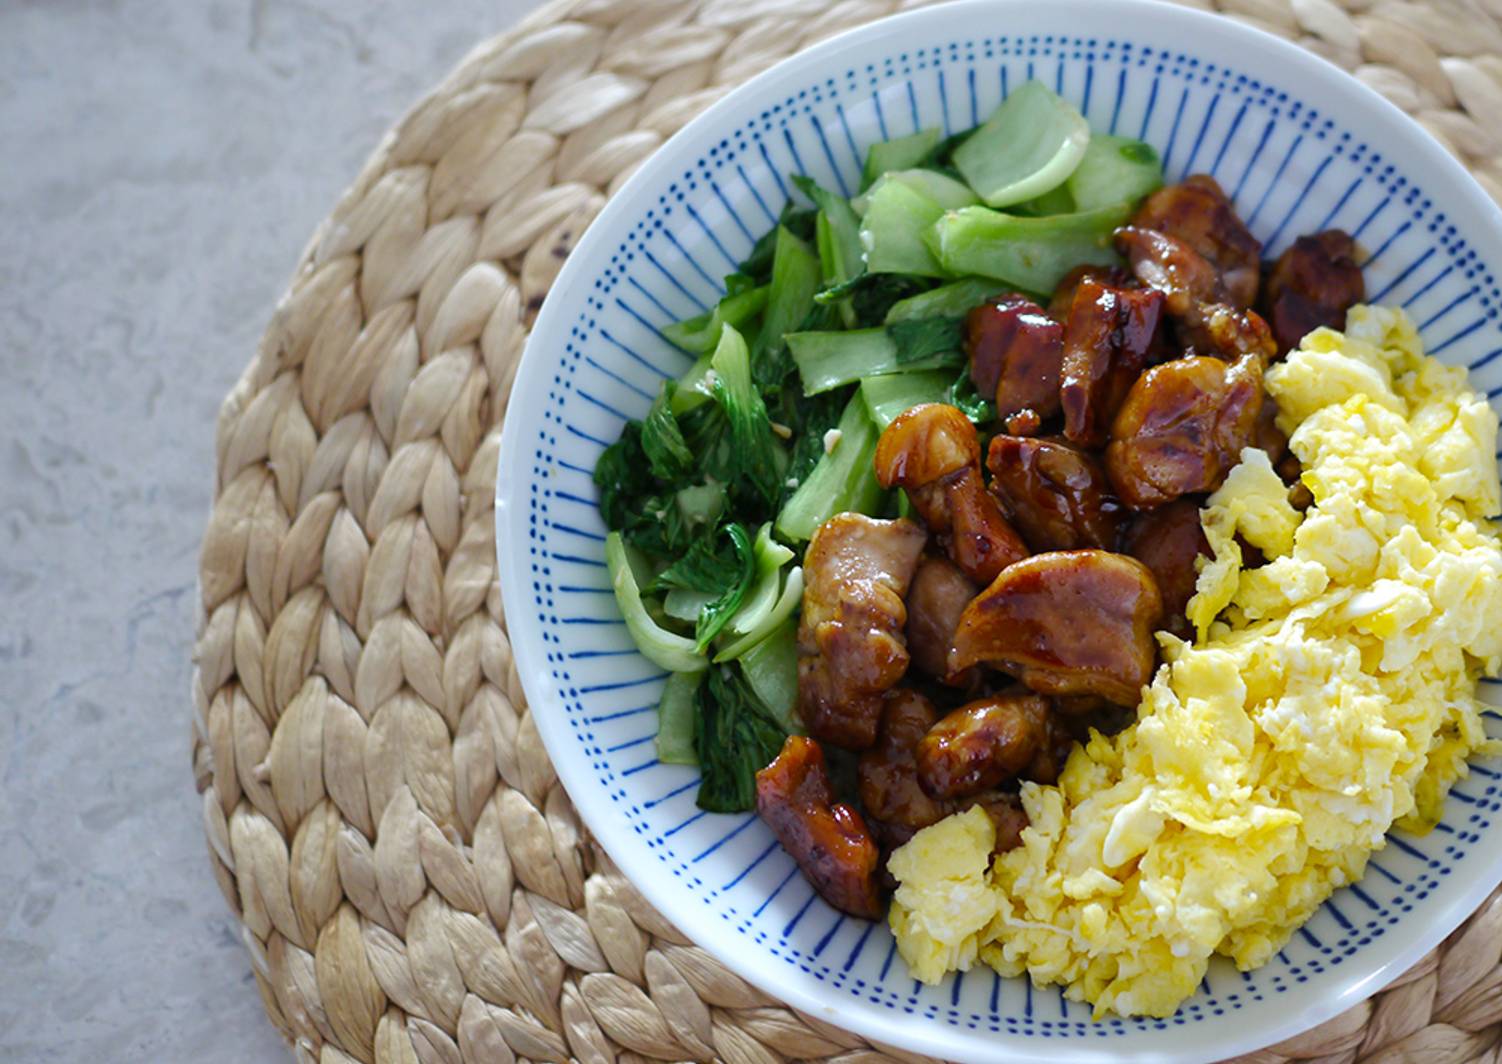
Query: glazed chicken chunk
850, 638
1186, 242
1062, 299
895, 804
981, 744
1182, 428
1197, 213
1106, 342
1168, 540
939, 595
1016, 352
932, 451
828, 839
1056, 494
1312, 284
1193, 296
1067, 623
1167, 265
1229, 334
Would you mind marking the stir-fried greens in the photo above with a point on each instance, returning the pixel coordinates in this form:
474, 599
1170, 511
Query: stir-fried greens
846, 314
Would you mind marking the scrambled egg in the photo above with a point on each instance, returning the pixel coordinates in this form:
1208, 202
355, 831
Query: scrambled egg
1329, 695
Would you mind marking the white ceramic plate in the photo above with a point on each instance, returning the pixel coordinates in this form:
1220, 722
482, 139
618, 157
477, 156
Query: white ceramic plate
1299, 146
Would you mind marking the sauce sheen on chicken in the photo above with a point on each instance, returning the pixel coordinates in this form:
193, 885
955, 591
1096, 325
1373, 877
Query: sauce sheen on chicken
1106, 343
932, 451
1016, 352
1056, 494
828, 839
1182, 428
850, 638
1197, 213
981, 744
1067, 623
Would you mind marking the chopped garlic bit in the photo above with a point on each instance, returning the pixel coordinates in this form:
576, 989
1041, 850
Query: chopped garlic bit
832, 440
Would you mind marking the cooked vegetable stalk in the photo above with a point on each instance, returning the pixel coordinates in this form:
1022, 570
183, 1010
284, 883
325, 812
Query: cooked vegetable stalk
771, 668
1032, 253
843, 480
795, 281
702, 505
1114, 170
890, 394
941, 188
675, 719
947, 301
770, 556
657, 644
1055, 201
1031, 144
892, 232
700, 334
828, 360
786, 605
685, 604
837, 234
758, 455
693, 388
832, 261
898, 154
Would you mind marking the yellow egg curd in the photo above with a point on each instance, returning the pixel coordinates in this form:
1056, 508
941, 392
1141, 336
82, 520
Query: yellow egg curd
1330, 694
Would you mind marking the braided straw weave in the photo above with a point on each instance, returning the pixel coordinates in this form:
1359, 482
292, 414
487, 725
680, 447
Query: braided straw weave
412, 881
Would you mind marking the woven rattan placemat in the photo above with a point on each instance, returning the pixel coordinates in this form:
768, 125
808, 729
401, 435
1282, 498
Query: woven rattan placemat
412, 881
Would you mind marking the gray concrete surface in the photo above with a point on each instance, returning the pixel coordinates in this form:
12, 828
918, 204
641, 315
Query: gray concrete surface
161, 165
